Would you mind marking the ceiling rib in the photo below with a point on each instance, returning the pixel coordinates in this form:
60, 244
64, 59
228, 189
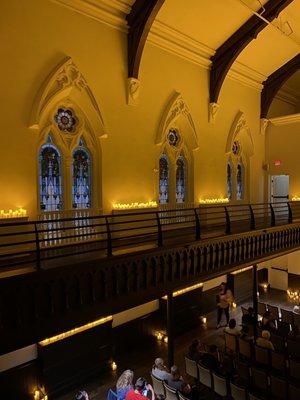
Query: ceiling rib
275, 81
140, 20
228, 52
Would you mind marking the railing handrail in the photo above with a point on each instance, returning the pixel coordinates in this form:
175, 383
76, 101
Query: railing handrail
122, 229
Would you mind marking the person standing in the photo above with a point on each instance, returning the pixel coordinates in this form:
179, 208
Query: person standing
224, 300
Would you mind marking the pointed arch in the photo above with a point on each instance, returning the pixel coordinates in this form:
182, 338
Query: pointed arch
66, 108
164, 174
177, 109
240, 129
181, 175
66, 81
50, 177
229, 179
239, 149
81, 177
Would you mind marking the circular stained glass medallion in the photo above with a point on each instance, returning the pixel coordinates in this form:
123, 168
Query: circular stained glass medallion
173, 137
65, 120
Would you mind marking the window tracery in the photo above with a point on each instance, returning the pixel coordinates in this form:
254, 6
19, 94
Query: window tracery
50, 178
163, 179
180, 180
81, 177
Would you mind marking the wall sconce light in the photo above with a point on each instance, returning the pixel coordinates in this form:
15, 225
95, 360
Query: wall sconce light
114, 366
39, 394
166, 339
159, 336
204, 320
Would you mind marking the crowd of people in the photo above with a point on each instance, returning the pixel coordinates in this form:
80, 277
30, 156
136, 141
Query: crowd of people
128, 388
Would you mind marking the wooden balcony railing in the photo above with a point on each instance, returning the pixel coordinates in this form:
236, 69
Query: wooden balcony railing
43, 303
54, 240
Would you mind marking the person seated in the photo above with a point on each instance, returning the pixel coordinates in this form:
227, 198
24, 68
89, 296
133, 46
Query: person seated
264, 341
81, 395
124, 384
249, 318
175, 380
159, 370
247, 333
141, 391
210, 359
267, 323
194, 352
232, 328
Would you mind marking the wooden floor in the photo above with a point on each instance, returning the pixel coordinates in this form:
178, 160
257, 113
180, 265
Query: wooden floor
140, 360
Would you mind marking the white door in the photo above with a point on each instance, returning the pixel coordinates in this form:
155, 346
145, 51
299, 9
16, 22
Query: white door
279, 188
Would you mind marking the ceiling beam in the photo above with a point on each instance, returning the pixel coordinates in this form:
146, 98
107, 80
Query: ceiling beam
140, 20
275, 82
228, 52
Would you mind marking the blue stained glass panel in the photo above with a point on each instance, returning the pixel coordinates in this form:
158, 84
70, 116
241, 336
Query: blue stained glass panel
239, 183
50, 178
163, 180
81, 179
180, 180
229, 181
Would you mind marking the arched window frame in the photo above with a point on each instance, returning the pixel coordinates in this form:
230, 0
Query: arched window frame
229, 179
173, 153
85, 204
76, 99
164, 182
52, 205
181, 188
240, 181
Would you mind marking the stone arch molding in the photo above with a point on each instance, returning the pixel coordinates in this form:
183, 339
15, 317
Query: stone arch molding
240, 130
177, 116
67, 86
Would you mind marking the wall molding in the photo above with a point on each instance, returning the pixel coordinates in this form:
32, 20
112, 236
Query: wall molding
109, 12
113, 13
285, 119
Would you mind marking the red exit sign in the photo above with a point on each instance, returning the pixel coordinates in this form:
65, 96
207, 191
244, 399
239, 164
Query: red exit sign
277, 163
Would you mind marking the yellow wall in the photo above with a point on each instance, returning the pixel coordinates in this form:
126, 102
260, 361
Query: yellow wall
283, 144
37, 35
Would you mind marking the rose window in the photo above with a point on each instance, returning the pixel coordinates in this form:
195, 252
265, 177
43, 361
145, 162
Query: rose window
65, 120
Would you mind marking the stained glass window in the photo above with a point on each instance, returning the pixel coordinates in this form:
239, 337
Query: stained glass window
163, 180
81, 178
229, 181
173, 137
50, 178
239, 182
180, 180
65, 120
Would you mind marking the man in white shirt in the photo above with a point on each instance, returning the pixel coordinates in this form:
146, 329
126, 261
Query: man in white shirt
160, 371
232, 328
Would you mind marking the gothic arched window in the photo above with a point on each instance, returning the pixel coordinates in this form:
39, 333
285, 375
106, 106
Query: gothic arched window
229, 181
50, 178
239, 182
180, 180
81, 178
163, 180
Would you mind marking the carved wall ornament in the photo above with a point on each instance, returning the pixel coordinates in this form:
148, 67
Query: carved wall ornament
175, 109
240, 128
133, 91
213, 111
264, 122
66, 86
